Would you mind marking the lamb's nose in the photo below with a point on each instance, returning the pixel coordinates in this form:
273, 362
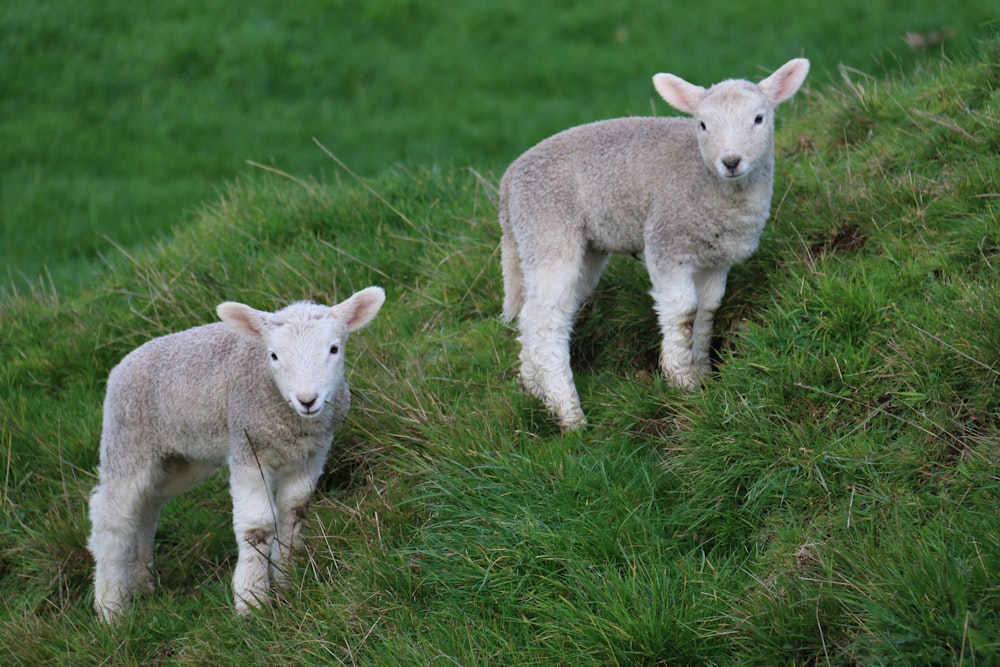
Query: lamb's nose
731, 163
308, 401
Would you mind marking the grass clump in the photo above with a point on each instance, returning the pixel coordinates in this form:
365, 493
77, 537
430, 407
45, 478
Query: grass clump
828, 498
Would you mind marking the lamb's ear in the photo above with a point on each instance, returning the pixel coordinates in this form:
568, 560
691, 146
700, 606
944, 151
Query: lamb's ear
361, 308
786, 80
678, 93
243, 319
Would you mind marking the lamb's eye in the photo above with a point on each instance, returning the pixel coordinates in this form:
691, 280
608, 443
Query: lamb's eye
274, 356
334, 349
759, 119
703, 128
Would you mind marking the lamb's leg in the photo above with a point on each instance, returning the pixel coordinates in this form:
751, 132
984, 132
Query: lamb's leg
254, 522
711, 286
292, 498
593, 266
676, 302
545, 365
553, 295
145, 576
175, 476
117, 511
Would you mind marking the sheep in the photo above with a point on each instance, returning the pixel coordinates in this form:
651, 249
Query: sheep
690, 194
259, 391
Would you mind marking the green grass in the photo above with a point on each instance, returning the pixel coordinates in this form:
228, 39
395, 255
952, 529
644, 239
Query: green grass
119, 118
830, 497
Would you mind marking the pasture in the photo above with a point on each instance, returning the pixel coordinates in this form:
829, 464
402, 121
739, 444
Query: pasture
829, 496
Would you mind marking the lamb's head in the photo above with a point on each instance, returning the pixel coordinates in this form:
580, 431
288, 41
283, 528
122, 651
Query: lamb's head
735, 117
304, 344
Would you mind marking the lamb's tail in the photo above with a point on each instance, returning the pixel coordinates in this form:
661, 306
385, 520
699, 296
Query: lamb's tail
510, 260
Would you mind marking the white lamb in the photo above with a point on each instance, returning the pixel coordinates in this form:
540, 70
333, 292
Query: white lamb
691, 194
261, 392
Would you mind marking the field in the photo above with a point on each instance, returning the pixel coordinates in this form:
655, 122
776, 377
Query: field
119, 119
830, 496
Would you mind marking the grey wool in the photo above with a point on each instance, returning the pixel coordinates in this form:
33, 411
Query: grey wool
260, 392
692, 195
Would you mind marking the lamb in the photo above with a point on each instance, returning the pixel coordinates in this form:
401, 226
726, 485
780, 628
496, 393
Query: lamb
691, 194
259, 391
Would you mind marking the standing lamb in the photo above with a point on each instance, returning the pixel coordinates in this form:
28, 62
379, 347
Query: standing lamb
691, 194
261, 392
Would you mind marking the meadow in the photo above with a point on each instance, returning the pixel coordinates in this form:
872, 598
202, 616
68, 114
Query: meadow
119, 119
830, 496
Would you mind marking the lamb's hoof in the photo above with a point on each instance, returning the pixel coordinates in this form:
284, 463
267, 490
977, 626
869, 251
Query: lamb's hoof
688, 380
249, 602
572, 421
145, 580
110, 613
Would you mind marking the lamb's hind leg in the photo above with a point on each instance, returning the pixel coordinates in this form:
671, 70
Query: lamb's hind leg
176, 476
553, 296
117, 511
145, 570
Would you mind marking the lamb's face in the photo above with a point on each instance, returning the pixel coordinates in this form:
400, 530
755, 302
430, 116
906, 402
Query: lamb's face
735, 129
735, 117
306, 358
304, 344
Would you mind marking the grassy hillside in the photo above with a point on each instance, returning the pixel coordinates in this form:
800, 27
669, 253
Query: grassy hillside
829, 498
118, 118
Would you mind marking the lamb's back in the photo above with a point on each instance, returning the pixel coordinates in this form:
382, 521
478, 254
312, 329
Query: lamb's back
171, 394
620, 157
621, 184
604, 180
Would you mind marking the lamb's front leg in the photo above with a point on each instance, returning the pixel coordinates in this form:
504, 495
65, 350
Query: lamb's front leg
293, 495
255, 525
710, 284
676, 302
